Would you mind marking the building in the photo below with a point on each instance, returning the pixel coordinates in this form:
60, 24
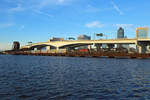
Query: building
142, 32
56, 39
120, 33
84, 37
16, 45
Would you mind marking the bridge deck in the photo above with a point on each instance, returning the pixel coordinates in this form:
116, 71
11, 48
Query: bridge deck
102, 41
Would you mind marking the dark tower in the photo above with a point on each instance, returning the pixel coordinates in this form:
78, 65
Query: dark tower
120, 33
16, 45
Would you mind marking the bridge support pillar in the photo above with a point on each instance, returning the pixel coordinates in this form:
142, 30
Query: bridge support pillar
35, 49
57, 48
89, 47
142, 47
48, 48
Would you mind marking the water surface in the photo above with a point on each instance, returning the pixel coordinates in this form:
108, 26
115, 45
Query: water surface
68, 78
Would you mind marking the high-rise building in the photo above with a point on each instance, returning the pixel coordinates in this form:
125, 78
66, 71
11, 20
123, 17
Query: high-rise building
142, 32
84, 37
16, 45
120, 33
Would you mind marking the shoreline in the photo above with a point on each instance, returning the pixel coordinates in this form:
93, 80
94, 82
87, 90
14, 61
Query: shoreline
119, 55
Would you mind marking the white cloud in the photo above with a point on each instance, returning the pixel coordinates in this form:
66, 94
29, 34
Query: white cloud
95, 24
5, 25
117, 8
42, 13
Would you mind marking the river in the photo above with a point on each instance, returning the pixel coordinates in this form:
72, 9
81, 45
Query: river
73, 78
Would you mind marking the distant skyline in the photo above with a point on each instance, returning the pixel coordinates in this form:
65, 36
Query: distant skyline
38, 20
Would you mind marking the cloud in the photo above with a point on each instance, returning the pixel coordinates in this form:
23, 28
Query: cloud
42, 13
17, 9
95, 24
117, 8
6, 25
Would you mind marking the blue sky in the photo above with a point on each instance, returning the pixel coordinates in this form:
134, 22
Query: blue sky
37, 20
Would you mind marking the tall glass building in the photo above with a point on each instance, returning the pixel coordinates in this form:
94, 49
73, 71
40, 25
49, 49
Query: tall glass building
120, 33
142, 32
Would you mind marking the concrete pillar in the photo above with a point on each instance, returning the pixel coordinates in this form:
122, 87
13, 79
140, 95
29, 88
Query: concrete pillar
48, 48
89, 47
148, 48
142, 48
57, 48
35, 49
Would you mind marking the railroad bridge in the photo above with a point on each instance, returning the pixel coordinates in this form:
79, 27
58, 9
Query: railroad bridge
141, 44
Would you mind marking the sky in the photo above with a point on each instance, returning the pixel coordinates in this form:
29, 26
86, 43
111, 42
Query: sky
38, 20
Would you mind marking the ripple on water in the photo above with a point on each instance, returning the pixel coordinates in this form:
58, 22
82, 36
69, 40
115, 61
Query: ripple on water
67, 78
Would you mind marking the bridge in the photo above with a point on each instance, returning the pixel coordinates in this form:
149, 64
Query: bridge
141, 44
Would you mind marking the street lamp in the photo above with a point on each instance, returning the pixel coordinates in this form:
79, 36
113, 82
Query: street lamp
101, 35
71, 38
98, 35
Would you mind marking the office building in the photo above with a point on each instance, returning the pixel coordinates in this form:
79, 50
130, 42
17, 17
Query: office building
120, 33
84, 37
142, 32
16, 45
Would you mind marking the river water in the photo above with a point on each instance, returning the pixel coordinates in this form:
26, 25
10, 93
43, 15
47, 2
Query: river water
68, 78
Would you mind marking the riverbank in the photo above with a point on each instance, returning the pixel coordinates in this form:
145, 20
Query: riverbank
1, 53
85, 54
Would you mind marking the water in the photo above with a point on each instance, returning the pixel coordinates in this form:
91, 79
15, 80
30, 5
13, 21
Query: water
67, 78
